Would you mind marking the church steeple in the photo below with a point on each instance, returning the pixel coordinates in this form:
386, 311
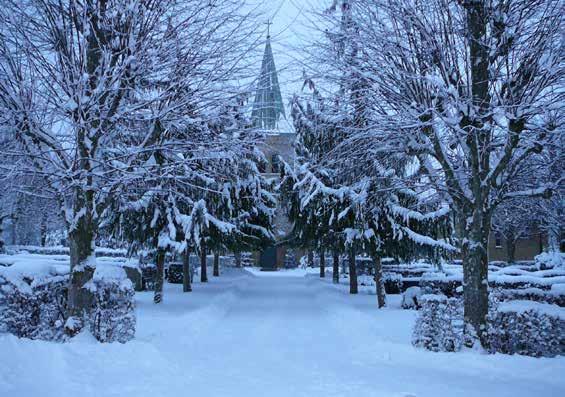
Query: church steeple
268, 106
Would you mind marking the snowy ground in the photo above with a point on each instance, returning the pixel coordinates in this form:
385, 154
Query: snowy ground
267, 334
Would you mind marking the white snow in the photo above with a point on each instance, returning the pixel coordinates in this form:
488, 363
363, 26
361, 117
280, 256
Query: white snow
251, 335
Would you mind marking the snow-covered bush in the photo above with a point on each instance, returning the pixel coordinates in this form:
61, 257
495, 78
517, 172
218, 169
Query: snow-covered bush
439, 326
148, 276
393, 282
174, 273
112, 318
554, 296
549, 260
439, 283
411, 298
527, 328
35, 310
33, 298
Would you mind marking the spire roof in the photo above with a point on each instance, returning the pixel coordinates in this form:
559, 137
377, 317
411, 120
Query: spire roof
268, 106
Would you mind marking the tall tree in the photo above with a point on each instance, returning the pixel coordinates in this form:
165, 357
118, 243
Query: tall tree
467, 88
78, 77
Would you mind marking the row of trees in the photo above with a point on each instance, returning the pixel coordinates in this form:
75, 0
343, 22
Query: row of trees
426, 117
128, 113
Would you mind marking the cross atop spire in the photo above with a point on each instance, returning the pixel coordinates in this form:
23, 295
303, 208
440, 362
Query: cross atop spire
268, 106
268, 23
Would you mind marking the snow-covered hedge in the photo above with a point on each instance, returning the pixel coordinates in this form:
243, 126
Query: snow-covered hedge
439, 283
112, 318
393, 283
35, 310
411, 298
60, 250
514, 327
555, 296
528, 328
148, 276
174, 273
33, 297
549, 260
439, 326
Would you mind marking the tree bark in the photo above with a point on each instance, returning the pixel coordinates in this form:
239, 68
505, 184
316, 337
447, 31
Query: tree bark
379, 281
322, 263
203, 274
160, 263
43, 231
310, 258
83, 260
475, 280
186, 282
335, 267
237, 256
353, 289
216, 272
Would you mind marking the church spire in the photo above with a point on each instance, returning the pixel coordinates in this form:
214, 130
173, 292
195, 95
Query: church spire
268, 106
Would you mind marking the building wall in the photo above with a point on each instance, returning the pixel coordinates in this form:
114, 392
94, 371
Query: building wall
281, 144
526, 249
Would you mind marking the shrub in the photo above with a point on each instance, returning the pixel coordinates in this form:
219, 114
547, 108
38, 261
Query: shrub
174, 274
553, 296
112, 318
393, 282
439, 324
411, 298
32, 304
527, 328
440, 284
34, 310
148, 276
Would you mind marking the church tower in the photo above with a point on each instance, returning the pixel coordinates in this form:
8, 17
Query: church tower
268, 110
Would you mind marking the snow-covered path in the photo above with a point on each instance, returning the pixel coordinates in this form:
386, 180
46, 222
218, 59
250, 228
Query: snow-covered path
267, 335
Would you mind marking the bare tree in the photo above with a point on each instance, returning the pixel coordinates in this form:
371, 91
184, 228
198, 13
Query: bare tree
466, 87
85, 84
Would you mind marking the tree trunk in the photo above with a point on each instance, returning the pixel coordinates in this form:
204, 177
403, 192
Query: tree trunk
216, 272
186, 282
475, 281
554, 238
322, 263
379, 281
335, 269
352, 272
83, 262
160, 263
237, 256
43, 231
203, 274
14, 236
310, 258
511, 249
